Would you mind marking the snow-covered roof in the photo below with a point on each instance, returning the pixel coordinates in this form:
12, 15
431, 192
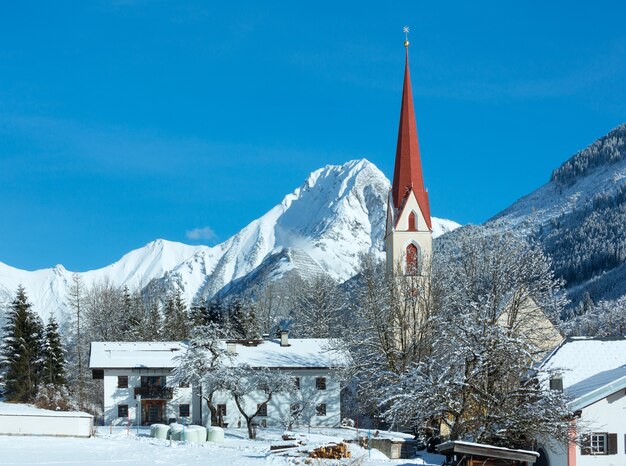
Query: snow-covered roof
301, 353
481, 449
591, 368
134, 355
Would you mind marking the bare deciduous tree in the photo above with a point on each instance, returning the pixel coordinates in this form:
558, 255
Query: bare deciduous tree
478, 381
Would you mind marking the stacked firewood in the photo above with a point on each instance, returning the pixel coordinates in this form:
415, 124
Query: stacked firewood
333, 451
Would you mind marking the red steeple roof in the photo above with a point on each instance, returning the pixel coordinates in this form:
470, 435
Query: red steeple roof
407, 175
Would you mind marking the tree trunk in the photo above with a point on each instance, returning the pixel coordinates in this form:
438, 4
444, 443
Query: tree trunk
213, 409
251, 429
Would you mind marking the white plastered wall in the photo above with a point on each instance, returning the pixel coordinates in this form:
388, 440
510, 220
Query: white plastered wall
607, 415
278, 408
114, 396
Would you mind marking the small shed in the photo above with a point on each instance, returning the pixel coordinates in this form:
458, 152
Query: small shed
459, 453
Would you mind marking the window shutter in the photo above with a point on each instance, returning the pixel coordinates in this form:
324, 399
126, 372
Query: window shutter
585, 447
611, 444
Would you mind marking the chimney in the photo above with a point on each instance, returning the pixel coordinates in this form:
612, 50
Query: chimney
231, 347
284, 338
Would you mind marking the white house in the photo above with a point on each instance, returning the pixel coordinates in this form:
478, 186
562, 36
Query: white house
140, 369
592, 374
135, 376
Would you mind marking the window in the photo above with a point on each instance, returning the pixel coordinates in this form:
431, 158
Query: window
412, 222
320, 409
412, 259
153, 381
296, 381
599, 443
221, 410
261, 409
556, 383
122, 381
183, 410
320, 383
122, 410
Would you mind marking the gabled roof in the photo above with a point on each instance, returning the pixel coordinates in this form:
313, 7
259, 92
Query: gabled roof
591, 368
302, 353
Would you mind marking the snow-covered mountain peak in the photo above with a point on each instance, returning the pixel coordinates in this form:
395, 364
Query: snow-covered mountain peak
323, 225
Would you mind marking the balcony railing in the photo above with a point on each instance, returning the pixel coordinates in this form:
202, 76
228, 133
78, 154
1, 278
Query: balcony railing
154, 393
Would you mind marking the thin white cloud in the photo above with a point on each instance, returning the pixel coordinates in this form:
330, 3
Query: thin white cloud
205, 233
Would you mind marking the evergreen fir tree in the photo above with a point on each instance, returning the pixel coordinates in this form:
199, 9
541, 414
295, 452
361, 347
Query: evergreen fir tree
215, 313
209, 312
21, 353
252, 328
182, 316
236, 320
176, 325
168, 318
198, 313
132, 319
153, 323
53, 356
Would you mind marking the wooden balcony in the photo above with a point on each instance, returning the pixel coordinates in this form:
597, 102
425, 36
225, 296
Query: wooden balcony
154, 393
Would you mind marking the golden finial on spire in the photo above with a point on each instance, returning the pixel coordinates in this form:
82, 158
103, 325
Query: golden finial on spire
406, 35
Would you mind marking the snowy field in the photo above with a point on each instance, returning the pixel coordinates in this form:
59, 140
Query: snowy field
126, 447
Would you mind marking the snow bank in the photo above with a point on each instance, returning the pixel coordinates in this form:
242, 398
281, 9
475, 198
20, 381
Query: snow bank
19, 419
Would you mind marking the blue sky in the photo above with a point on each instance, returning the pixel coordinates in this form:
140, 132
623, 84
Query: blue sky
126, 121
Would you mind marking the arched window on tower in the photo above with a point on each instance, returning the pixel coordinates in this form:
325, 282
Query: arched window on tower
412, 259
412, 222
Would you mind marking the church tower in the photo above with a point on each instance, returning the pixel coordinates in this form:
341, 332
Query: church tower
408, 236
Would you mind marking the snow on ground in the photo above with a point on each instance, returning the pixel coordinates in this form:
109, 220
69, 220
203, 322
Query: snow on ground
123, 446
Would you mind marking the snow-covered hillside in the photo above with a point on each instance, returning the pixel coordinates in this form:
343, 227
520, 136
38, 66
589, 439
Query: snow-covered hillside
337, 213
597, 169
580, 218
